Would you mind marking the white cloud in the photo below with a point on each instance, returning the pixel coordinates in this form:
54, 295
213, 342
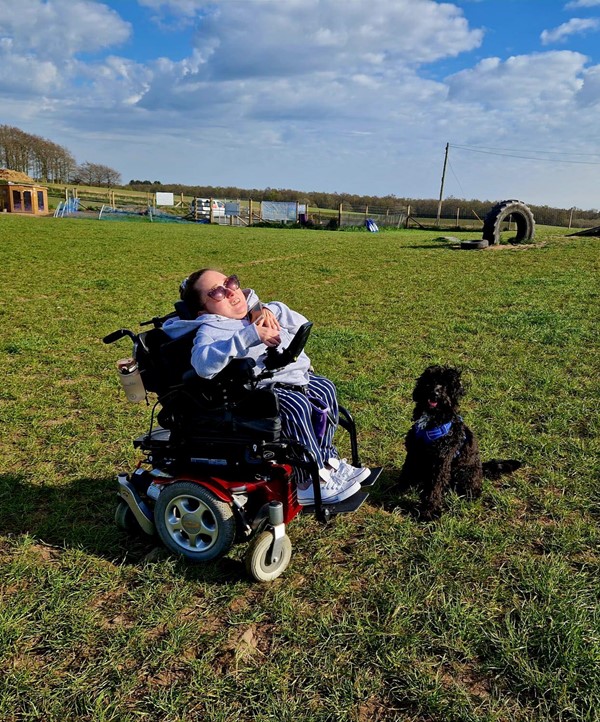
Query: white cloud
547, 100
188, 8
575, 26
582, 4
39, 42
538, 81
270, 38
590, 91
58, 29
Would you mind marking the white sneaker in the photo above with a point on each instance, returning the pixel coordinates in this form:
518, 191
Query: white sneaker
346, 472
333, 464
332, 489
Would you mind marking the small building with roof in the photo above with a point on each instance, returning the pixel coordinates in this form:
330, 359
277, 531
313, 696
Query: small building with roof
21, 194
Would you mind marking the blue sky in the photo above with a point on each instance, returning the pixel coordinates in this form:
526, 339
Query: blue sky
357, 96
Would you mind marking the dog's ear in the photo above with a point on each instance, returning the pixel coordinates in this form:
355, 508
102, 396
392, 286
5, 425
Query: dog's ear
423, 381
455, 384
416, 394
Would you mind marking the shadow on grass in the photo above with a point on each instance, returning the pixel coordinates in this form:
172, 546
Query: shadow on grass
391, 494
80, 515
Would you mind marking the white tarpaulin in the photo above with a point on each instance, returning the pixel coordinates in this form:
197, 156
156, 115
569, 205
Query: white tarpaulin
278, 211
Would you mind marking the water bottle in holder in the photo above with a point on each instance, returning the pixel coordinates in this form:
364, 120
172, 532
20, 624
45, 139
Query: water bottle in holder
131, 380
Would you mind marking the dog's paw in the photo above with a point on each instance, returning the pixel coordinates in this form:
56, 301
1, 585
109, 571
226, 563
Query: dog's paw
429, 514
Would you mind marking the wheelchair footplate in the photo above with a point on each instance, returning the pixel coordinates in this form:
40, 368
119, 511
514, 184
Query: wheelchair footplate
352, 503
372, 478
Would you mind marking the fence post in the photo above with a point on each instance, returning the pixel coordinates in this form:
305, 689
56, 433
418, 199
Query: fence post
250, 212
457, 218
340, 215
407, 215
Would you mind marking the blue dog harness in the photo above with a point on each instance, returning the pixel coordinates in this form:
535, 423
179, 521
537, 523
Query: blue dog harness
430, 435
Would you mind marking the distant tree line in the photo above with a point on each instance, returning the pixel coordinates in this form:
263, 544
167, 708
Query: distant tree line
48, 162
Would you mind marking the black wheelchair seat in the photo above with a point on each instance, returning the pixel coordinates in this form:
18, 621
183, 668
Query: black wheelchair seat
193, 406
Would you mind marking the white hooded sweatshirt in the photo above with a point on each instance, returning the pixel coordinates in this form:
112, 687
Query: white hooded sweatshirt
220, 339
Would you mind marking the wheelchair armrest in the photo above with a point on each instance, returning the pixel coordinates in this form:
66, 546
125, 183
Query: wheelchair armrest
238, 372
189, 376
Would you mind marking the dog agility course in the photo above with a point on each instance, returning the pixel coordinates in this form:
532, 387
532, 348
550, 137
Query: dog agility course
489, 613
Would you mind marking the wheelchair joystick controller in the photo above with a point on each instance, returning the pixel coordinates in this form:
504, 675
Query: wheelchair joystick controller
276, 359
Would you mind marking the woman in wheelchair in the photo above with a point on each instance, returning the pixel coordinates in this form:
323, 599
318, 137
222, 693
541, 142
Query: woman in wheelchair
227, 329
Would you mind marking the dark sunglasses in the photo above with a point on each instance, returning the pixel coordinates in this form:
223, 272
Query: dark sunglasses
218, 293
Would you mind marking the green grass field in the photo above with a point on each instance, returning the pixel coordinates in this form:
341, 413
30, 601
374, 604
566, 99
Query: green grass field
490, 614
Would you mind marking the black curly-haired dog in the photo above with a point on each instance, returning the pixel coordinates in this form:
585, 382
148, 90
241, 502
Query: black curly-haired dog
441, 450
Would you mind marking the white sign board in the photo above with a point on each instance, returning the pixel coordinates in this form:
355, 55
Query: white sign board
278, 211
164, 199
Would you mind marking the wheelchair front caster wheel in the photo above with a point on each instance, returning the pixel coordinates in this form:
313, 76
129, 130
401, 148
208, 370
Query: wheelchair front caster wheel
258, 557
125, 519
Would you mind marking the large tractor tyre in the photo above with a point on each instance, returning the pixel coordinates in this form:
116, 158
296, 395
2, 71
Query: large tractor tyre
193, 522
521, 215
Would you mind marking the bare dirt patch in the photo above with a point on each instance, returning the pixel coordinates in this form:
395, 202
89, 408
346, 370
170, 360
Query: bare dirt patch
515, 246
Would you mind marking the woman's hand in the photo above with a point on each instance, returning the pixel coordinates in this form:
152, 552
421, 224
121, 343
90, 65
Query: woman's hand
268, 334
270, 320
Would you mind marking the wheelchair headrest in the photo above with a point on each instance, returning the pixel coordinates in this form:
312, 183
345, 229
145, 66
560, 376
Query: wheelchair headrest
183, 311
162, 360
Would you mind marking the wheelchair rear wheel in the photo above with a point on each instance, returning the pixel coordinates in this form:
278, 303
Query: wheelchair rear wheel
258, 558
192, 522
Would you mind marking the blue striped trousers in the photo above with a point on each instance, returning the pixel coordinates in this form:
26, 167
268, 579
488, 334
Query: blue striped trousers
296, 419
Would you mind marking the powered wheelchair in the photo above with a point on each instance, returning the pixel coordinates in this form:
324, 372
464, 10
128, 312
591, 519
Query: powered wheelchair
216, 468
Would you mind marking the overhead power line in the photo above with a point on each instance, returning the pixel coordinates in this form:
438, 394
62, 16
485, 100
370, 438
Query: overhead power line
507, 153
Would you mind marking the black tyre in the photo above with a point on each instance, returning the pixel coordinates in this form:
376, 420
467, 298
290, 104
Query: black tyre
258, 559
125, 518
521, 215
192, 522
474, 245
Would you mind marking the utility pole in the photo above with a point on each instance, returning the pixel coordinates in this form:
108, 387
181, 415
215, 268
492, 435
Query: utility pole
439, 211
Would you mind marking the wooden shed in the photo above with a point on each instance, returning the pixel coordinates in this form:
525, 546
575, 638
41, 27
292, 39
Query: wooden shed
20, 194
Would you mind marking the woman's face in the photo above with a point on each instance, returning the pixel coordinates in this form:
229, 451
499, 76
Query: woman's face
233, 305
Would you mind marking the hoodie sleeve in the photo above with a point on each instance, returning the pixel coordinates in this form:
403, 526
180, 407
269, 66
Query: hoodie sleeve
213, 349
252, 300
